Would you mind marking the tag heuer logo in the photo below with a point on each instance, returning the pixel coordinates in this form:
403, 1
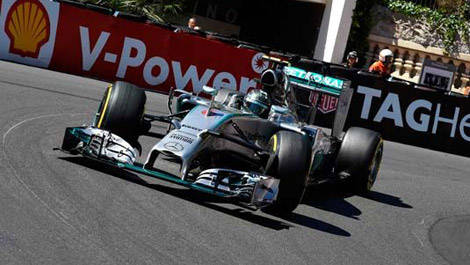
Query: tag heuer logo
327, 103
28, 27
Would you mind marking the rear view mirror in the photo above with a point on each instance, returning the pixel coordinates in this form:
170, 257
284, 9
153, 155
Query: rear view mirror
209, 90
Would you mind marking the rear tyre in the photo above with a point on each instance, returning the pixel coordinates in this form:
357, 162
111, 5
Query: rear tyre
291, 164
360, 156
121, 111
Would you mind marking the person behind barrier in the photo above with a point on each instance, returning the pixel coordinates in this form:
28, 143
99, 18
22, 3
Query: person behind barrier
383, 66
192, 25
351, 60
466, 91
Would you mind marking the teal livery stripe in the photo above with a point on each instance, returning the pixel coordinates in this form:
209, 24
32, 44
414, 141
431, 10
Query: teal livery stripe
173, 179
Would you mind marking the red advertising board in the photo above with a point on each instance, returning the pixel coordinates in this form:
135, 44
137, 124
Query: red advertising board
84, 42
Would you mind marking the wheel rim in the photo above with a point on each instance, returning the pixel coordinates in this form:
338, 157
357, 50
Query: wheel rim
375, 166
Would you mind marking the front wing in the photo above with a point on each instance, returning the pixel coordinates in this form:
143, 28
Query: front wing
248, 188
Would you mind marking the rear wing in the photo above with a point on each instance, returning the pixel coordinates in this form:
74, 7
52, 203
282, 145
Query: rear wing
315, 81
322, 84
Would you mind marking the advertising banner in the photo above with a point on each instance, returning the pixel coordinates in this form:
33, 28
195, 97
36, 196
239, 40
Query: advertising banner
147, 55
412, 116
83, 42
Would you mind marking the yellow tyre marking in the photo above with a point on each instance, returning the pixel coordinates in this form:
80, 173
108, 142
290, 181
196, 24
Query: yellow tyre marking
275, 143
110, 88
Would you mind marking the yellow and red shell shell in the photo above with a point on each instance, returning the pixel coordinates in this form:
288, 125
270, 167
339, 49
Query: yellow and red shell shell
28, 27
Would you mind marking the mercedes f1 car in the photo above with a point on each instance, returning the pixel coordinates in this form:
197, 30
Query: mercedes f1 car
257, 149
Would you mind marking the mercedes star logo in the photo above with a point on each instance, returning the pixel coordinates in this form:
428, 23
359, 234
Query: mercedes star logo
173, 146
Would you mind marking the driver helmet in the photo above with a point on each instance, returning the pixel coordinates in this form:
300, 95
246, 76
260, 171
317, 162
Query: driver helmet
235, 101
271, 80
386, 56
258, 102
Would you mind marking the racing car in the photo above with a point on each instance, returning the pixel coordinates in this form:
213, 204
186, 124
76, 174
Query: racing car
256, 149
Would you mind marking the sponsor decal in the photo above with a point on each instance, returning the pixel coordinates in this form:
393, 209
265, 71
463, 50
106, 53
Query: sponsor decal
258, 64
191, 127
182, 138
174, 146
325, 80
28, 30
213, 113
421, 115
314, 77
327, 103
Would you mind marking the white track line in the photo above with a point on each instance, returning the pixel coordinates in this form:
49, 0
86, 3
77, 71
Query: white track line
58, 215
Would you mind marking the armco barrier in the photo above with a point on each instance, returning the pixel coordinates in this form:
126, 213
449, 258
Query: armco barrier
408, 115
403, 113
74, 39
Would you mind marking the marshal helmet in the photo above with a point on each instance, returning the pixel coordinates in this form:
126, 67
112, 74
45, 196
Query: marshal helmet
386, 56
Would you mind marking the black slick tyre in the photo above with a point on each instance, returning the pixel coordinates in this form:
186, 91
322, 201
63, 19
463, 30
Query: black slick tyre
290, 163
121, 110
359, 157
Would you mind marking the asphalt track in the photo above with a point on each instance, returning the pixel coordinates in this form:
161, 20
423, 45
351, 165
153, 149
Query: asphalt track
59, 209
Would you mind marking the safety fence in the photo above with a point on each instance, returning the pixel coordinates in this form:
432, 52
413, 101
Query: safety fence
403, 112
98, 42
412, 116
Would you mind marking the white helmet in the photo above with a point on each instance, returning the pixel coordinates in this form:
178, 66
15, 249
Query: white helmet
386, 55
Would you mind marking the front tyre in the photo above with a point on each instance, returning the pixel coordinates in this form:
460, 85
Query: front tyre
291, 164
121, 111
360, 156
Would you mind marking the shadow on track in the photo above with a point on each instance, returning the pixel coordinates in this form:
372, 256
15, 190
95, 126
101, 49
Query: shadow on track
316, 224
209, 201
386, 199
331, 198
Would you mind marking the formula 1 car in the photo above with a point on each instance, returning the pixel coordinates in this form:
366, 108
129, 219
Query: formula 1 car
256, 151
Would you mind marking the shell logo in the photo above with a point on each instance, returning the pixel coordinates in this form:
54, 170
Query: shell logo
28, 27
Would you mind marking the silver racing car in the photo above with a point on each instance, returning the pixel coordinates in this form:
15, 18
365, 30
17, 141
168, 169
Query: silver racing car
258, 149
